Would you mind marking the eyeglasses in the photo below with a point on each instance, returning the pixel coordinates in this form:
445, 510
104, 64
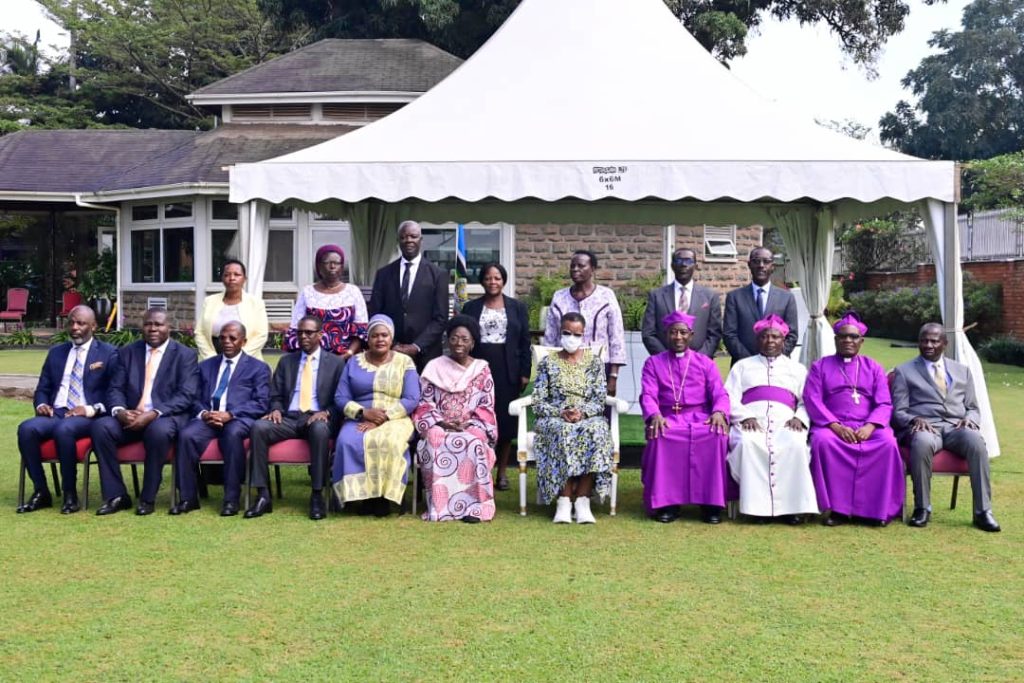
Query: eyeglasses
683, 261
762, 261
849, 337
307, 333
330, 262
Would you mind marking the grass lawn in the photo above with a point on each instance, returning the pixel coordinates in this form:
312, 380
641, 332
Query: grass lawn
283, 598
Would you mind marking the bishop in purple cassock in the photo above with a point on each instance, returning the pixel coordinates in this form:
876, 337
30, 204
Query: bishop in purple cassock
687, 414
848, 402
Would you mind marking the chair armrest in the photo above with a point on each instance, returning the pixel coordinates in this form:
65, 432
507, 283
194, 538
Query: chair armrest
519, 405
618, 404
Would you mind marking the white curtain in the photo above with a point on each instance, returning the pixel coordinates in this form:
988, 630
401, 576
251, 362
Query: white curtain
949, 274
810, 240
255, 221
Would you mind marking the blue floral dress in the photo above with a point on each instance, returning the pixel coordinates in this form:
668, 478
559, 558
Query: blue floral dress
565, 449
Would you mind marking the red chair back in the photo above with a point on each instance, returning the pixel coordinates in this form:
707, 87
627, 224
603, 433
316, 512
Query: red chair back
17, 300
68, 301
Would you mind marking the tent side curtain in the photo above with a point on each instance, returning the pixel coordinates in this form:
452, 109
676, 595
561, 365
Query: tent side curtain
944, 236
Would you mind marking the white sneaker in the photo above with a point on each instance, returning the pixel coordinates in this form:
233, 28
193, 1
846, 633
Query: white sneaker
583, 513
563, 511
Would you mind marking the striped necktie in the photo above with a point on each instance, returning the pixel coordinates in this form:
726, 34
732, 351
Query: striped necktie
75, 381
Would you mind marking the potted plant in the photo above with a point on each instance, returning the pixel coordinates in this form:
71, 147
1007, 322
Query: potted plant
98, 285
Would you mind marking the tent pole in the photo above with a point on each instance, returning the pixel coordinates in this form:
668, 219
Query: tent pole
951, 253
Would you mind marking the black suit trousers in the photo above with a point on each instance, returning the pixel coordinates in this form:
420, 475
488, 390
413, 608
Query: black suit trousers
293, 425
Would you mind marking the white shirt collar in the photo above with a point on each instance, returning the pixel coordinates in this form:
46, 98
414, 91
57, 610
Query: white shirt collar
688, 286
415, 262
315, 355
162, 347
85, 346
766, 287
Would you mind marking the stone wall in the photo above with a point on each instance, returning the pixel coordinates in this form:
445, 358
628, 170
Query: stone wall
625, 253
181, 308
1009, 274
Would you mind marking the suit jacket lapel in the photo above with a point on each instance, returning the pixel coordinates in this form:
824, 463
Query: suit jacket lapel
748, 297
668, 299
922, 368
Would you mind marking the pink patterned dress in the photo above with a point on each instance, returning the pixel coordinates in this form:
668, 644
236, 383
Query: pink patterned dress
456, 465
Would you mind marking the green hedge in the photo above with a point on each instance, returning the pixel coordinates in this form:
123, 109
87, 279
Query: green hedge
899, 313
1004, 349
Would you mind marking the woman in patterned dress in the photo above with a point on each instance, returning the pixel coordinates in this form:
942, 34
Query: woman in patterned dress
505, 346
377, 392
457, 428
341, 307
573, 445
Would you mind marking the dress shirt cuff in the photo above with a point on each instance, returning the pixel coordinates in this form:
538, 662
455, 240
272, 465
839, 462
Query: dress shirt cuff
99, 408
116, 410
417, 347
90, 411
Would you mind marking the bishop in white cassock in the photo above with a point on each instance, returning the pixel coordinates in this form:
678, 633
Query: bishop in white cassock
768, 453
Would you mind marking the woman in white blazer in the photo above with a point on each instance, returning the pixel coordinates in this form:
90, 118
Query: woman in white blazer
233, 304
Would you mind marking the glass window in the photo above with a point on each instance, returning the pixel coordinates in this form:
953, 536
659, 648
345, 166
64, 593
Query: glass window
280, 256
224, 244
279, 212
483, 245
145, 256
144, 212
179, 255
224, 210
178, 210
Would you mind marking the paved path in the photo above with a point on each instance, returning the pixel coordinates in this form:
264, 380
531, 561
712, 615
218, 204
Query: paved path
17, 386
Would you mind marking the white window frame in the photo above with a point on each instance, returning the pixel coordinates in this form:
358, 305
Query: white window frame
506, 252
160, 224
212, 224
720, 244
298, 220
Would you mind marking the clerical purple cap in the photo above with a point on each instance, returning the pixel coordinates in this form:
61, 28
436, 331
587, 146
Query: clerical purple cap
850, 318
678, 317
771, 322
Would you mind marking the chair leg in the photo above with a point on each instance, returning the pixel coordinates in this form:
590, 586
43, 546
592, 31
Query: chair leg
135, 480
277, 476
85, 481
522, 488
956, 486
615, 489
248, 479
21, 484
56, 479
415, 485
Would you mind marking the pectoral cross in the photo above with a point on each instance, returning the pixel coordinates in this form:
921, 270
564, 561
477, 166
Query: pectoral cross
856, 397
676, 408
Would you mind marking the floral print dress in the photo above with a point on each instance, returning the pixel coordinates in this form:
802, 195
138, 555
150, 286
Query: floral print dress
565, 449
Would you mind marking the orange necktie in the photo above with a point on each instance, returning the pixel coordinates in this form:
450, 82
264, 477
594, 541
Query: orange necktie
147, 388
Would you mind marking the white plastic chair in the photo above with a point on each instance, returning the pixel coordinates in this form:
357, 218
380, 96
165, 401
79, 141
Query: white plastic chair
524, 438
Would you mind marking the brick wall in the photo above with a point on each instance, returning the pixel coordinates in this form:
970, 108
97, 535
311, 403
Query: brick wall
181, 308
1009, 274
625, 253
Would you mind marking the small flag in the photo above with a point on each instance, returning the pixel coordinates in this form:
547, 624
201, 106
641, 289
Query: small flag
461, 269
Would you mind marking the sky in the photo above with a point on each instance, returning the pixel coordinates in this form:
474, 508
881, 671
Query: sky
799, 67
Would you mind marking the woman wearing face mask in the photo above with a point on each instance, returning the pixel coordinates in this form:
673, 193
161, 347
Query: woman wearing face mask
599, 308
573, 444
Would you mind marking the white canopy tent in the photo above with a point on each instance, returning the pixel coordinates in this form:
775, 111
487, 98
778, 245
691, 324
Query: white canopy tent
609, 111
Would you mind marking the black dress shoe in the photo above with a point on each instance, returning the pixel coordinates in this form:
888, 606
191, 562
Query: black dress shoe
115, 505
711, 514
470, 519
37, 501
757, 519
70, 505
316, 506
986, 522
502, 484
333, 503
667, 515
144, 508
835, 519
229, 508
381, 507
793, 520
919, 518
184, 507
262, 506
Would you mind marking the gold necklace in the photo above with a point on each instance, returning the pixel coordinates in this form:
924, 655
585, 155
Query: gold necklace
678, 395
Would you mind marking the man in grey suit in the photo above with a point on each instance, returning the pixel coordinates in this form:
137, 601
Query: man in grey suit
934, 406
684, 294
746, 305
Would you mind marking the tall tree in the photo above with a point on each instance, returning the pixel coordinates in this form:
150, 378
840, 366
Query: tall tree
970, 95
136, 60
461, 26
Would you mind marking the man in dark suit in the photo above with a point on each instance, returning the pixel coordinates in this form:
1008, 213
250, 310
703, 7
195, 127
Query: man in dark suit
746, 305
935, 407
151, 395
413, 292
72, 390
301, 407
685, 295
234, 392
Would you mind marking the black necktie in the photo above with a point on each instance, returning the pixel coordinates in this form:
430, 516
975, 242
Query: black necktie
760, 301
405, 282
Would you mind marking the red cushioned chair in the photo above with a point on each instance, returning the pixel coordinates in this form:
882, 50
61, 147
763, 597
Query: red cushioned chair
944, 463
68, 301
133, 454
287, 452
17, 306
211, 456
49, 455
